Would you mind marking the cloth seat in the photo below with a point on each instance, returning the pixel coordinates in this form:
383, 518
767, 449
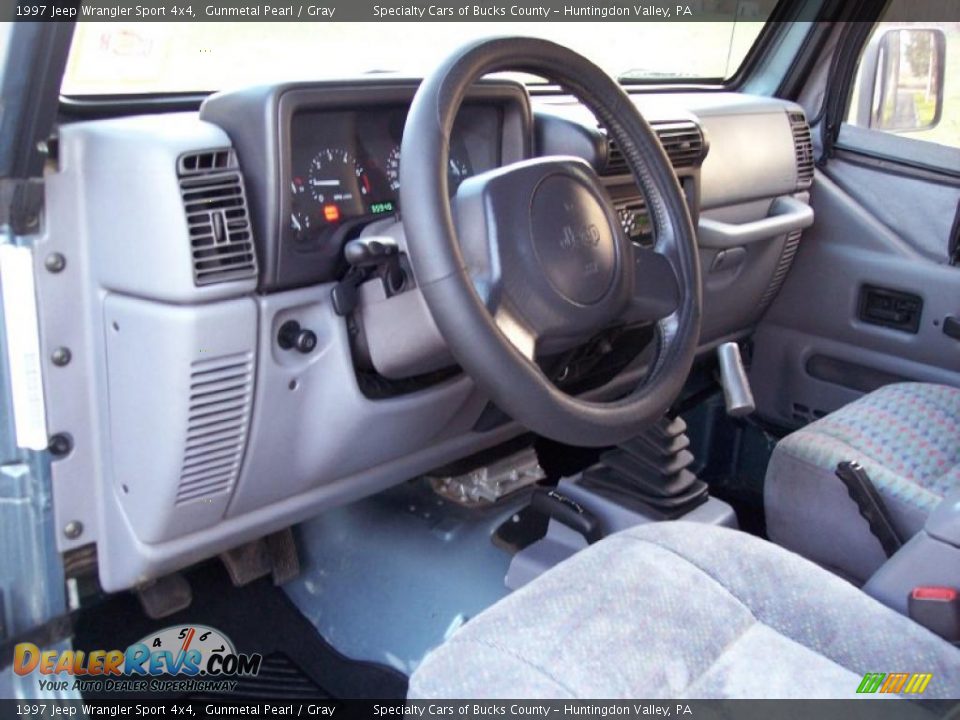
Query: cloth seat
683, 610
906, 436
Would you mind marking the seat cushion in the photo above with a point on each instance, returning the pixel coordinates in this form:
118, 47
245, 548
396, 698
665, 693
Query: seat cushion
683, 610
907, 437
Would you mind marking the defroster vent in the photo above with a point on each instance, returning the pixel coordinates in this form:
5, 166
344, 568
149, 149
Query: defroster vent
218, 221
804, 148
221, 397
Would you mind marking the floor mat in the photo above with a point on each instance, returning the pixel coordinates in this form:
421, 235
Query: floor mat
390, 577
258, 618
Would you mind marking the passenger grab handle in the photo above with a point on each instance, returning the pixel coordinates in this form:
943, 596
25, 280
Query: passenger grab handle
786, 215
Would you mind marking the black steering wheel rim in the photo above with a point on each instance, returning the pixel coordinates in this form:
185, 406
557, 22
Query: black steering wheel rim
513, 381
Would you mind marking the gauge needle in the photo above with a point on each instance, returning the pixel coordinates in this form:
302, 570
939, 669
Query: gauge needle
296, 223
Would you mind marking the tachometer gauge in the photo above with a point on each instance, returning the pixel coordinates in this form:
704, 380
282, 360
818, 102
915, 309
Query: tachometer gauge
457, 171
339, 183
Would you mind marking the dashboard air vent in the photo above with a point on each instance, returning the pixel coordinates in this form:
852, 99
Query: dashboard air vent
789, 252
804, 149
682, 141
217, 218
616, 161
221, 396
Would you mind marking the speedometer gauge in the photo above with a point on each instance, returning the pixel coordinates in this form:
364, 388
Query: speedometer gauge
339, 183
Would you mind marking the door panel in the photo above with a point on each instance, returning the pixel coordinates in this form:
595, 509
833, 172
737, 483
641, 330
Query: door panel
813, 352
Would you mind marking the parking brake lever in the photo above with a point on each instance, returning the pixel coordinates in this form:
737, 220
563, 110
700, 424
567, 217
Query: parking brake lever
872, 509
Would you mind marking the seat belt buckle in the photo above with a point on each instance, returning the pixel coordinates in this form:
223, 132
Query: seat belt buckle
937, 609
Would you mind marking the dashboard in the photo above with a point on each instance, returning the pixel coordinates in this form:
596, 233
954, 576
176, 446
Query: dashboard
226, 238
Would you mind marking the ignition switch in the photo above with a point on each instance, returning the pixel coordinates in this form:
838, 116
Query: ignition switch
294, 337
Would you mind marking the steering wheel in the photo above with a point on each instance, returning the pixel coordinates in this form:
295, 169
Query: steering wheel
533, 253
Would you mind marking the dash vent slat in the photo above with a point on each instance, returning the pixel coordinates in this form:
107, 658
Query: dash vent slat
803, 145
682, 141
790, 247
218, 221
221, 394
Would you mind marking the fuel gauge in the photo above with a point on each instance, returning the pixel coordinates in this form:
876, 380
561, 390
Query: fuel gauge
300, 223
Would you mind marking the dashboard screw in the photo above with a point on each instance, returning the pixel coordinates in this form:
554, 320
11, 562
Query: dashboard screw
60, 444
61, 356
73, 529
55, 262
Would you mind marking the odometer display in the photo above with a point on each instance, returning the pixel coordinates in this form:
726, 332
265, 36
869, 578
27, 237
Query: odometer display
381, 208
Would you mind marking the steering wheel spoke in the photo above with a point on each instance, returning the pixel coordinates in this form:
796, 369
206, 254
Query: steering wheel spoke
517, 330
656, 290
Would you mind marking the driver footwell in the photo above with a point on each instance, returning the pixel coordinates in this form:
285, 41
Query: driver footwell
258, 618
388, 578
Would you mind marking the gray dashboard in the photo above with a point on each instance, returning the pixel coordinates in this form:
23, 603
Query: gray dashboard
193, 430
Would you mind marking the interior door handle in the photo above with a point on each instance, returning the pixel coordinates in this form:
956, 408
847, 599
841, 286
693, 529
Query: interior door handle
786, 215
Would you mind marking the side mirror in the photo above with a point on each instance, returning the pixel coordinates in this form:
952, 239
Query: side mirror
901, 80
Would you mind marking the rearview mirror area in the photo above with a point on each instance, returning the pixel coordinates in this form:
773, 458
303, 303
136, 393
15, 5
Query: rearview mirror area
901, 80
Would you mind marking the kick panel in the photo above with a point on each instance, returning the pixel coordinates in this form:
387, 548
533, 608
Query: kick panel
180, 398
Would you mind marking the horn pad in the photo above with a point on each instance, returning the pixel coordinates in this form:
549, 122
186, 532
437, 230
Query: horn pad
573, 240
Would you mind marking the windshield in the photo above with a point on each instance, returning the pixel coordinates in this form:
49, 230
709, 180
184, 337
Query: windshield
152, 57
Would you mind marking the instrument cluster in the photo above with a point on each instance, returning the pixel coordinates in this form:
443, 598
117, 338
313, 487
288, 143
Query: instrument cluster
345, 165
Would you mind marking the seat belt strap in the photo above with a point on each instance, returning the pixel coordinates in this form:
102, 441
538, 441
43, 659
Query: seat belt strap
870, 504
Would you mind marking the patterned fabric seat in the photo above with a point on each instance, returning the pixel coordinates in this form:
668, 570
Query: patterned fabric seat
683, 610
907, 437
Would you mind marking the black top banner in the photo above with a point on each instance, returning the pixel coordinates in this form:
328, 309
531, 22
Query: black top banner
445, 11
